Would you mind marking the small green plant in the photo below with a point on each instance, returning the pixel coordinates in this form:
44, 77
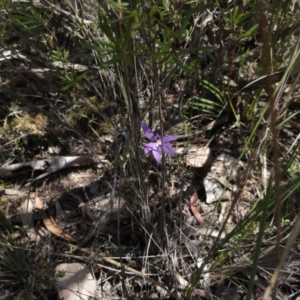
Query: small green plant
211, 106
61, 55
60, 274
70, 81
30, 20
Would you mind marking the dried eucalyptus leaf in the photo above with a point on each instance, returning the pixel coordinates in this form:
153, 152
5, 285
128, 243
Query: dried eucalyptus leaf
215, 191
200, 157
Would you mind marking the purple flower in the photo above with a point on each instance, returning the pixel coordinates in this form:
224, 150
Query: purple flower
158, 144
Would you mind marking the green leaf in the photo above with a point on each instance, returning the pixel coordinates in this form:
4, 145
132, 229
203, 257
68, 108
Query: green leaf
180, 64
153, 10
213, 89
135, 16
206, 105
4, 221
251, 32
118, 7
199, 8
107, 29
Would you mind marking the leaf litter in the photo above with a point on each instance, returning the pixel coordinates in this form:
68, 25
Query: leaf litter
91, 197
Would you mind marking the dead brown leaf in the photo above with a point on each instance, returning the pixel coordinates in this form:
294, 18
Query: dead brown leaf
194, 208
54, 229
51, 224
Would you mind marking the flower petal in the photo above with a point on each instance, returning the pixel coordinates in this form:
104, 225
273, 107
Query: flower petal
157, 156
169, 138
150, 147
148, 132
167, 148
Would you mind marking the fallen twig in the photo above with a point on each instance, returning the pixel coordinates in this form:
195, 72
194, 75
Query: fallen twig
54, 164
